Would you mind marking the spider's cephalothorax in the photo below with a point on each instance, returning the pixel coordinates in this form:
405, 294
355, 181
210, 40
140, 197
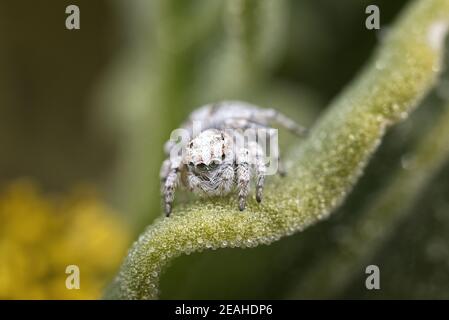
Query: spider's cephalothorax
212, 162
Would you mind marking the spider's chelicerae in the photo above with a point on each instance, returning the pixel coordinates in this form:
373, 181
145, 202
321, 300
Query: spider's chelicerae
211, 162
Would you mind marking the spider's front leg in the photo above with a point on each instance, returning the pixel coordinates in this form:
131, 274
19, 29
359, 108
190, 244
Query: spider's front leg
261, 169
169, 181
243, 176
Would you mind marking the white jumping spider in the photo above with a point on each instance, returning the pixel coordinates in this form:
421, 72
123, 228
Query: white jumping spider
210, 164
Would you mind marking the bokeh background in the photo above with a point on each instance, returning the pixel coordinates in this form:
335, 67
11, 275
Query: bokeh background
84, 114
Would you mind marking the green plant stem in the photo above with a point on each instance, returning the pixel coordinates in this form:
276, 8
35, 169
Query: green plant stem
381, 216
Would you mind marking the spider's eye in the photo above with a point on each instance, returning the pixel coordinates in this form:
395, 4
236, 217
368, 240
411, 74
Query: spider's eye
214, 164
201, 166
191, 164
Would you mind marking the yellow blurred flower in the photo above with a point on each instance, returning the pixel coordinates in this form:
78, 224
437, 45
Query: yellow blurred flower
41, 235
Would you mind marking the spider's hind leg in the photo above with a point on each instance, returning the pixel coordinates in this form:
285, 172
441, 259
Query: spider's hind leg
243, 170
277, 117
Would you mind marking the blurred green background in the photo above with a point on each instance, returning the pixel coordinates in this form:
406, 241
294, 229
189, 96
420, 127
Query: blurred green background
94, 107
